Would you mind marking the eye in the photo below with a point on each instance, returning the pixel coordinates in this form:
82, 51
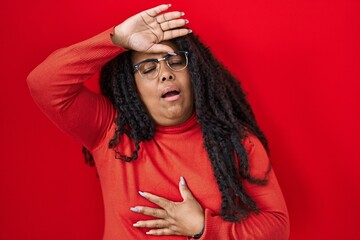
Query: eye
147, 68
177, 60
176, 63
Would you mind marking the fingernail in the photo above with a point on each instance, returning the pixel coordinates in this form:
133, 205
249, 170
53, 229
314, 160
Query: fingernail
190, 31
169, 4
149, 232
182, 13
134, 209
142, 194
136, 224
186, 21
182, 181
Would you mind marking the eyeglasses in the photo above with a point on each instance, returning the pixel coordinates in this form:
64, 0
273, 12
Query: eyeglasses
150, 68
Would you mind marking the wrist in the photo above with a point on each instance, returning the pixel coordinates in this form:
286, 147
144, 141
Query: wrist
198, 235
116, 37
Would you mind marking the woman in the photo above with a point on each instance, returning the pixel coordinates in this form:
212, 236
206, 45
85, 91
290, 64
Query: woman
169, 111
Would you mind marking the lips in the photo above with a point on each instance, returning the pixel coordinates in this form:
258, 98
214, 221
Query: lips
170, 92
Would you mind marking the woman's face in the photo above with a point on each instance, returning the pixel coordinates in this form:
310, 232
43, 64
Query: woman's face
168, 97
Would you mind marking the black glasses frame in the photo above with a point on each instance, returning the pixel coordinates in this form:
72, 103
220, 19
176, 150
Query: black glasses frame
165, 58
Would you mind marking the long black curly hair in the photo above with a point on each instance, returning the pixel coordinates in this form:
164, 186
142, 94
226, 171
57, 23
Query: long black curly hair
222, 111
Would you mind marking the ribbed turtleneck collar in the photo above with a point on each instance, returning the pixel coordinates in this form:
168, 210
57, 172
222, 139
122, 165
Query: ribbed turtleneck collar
183, 127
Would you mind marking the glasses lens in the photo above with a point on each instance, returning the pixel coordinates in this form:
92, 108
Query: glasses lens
177, 62
149, 69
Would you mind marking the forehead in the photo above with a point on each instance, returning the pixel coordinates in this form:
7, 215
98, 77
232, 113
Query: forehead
141, 56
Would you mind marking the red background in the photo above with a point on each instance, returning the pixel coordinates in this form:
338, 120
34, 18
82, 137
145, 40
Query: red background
299, 61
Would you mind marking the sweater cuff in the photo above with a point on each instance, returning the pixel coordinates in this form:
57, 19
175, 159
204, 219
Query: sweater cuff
210, 228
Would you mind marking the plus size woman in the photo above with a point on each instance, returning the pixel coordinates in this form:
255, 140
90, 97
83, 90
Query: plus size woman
177, 148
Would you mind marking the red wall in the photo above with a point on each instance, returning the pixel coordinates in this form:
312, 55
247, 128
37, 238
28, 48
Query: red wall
298, 60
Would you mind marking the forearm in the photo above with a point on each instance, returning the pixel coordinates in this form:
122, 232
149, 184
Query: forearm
57, 87
65, 70
262, 226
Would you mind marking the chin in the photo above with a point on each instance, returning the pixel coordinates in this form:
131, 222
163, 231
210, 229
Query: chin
172, 118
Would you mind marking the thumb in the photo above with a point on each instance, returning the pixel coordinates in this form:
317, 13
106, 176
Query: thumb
184, 190
160, 48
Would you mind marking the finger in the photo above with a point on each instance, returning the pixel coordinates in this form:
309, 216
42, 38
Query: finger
161, 202
176, 33
154, 212
153, 12
184, 190
173, 24
169, 16
157, 223
159, 232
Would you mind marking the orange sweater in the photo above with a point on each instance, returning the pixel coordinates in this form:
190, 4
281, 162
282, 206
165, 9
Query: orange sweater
57, 87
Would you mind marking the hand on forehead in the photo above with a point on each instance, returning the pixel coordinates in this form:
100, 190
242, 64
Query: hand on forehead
141, 56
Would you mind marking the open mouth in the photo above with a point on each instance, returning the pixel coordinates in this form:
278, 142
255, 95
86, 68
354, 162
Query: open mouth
170, 94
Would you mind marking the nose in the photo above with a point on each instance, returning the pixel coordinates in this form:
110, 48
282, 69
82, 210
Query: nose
167, 76
166, 73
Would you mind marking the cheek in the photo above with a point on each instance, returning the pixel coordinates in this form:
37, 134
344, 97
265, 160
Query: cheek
146, 91
140, 87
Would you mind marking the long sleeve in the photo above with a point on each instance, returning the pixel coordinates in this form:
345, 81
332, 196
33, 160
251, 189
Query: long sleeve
271, 222
57, 86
